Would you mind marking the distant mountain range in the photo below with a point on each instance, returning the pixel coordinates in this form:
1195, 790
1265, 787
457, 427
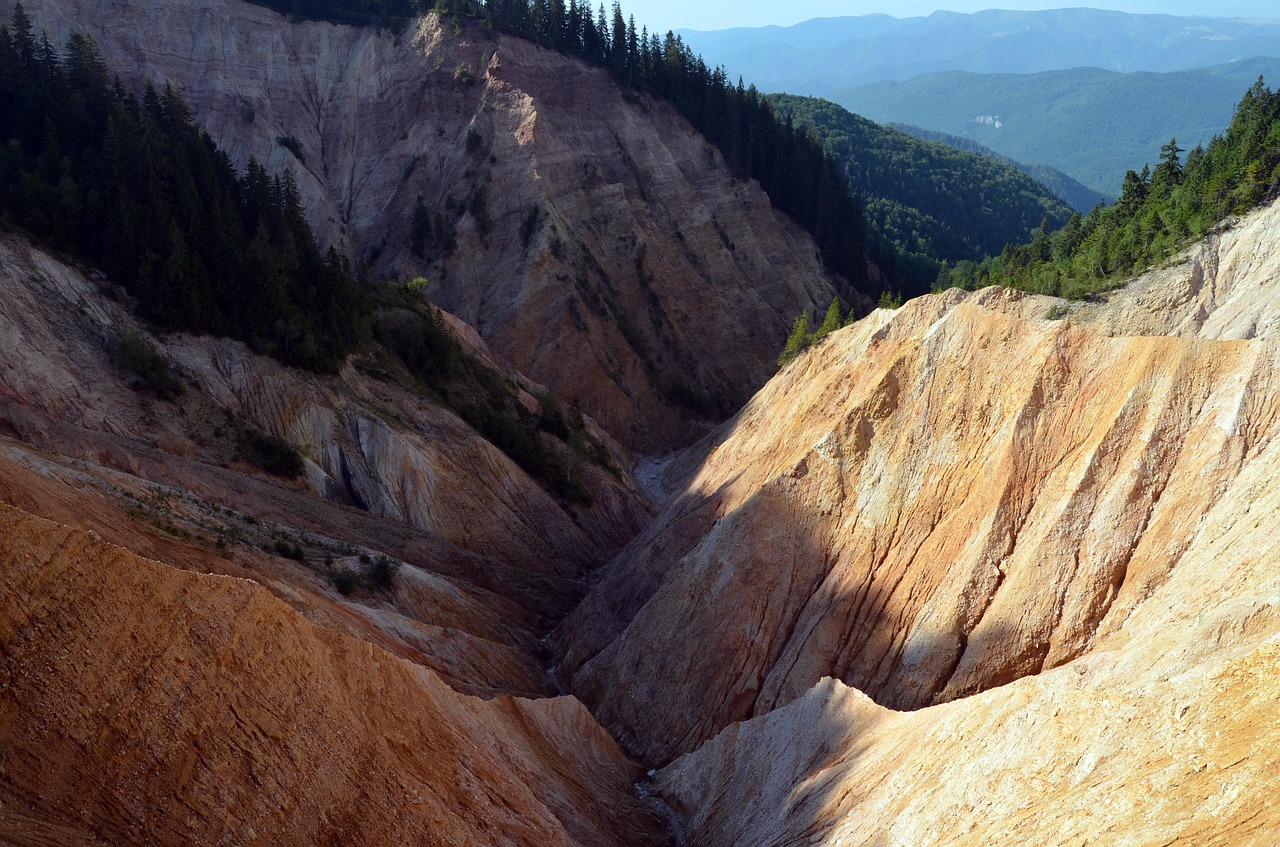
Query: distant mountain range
818, 56
1089, 123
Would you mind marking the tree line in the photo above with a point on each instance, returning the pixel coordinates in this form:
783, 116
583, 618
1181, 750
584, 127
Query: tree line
135, 188
789, 162
1160, 210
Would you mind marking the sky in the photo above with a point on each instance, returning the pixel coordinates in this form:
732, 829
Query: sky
662, 15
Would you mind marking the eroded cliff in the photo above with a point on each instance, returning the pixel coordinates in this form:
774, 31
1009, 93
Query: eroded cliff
966, 572
490, 558
588, 232
933, 503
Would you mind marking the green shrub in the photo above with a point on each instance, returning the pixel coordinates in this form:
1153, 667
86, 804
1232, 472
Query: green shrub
293, 145
273, 455
797, 342
889, 300
151, 371
383, 573
346, 580
290, 550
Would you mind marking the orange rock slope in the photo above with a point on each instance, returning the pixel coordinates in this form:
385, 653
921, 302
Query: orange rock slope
140, 704
490, 559
932, 504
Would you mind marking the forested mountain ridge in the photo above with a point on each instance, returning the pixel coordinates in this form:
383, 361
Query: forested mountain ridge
926, 202
1090, 123
817, 57
1075, 194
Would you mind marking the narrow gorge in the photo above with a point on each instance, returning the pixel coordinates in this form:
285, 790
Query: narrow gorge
987, 568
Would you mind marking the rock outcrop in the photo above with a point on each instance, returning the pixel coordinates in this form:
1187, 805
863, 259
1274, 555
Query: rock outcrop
1164, 732
588, 233
1225, 286
140, 704
933, 503
491, 560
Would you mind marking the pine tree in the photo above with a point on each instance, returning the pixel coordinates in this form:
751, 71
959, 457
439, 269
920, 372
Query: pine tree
831, 322
799, 339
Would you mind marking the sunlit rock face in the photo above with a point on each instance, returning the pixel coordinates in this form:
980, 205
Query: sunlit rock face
933, 503
598, 241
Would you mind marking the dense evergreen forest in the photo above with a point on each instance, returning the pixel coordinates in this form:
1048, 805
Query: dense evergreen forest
1075, 194
790, 163
136, 189
1159, 211
926, 202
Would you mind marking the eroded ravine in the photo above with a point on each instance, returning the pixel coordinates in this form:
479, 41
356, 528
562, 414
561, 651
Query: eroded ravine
1050, 541
984, 525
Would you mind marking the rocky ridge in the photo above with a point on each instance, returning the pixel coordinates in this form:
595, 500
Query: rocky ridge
1217, 288
811, 541
588, 233
913, 594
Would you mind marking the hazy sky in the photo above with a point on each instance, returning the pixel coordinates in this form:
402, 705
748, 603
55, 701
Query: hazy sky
662, 15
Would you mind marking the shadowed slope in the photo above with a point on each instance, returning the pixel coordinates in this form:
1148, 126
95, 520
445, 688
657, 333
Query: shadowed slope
589, 234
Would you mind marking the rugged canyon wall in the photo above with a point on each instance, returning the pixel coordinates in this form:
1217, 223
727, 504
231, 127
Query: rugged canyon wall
1220, 287
490, 559
933, 503
1162, 732
588, 233
987, 569
141, 704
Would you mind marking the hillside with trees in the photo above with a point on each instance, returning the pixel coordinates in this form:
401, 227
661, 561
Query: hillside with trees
926, 201
1160, 209
1075, 194
1090, 123
132, 187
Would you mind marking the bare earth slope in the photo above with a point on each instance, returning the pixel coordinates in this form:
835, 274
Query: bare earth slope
589, 234
140, 704
932, 503
490, 559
